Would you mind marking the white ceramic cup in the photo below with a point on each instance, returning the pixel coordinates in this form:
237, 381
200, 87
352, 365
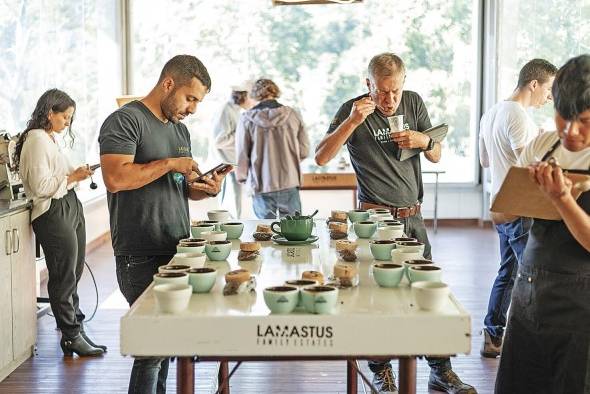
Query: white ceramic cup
216, 236
171, 267
398, 256
193, 260
430, 296
172, 298
389, 232
411, 246
221, 215
175, 278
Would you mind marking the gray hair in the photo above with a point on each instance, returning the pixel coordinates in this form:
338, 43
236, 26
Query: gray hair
386, 64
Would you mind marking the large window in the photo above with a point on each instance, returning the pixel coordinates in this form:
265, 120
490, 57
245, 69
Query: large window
551, 29
70, 45
318, 56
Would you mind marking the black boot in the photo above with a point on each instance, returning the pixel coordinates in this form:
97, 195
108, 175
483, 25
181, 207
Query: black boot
90, 342
103, 347
79, 346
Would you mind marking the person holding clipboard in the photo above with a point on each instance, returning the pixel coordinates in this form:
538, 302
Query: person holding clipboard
548, 334
384, 180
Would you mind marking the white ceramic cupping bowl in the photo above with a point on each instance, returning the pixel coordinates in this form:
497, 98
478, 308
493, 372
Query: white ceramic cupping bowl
172, 298
430, 296
221, 215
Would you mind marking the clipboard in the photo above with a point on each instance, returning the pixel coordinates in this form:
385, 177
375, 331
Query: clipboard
437, 133
519, 195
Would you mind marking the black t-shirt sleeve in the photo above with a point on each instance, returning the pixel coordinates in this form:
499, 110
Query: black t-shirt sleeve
422, 118
119, 134
340, 117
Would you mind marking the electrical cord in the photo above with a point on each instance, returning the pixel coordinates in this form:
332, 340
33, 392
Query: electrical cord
96, 292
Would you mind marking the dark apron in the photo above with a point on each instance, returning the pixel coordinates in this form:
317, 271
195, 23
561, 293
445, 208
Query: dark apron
550, 312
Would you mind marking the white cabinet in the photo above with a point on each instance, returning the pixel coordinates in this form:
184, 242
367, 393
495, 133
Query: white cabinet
18, 306
6, 353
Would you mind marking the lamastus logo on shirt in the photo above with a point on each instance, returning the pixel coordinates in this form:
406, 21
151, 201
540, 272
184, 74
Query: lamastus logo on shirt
383, 135
183, 150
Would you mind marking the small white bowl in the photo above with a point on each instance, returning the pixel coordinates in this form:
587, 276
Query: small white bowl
430, 296
221, 215
216, 236
172, 298
171, 267
193, 260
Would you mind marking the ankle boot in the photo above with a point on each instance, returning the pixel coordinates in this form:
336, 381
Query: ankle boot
91, 343
79, 346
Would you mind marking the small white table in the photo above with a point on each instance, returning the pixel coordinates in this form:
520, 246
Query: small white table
369, 321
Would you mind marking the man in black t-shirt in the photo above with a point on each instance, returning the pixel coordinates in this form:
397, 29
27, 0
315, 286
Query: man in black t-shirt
383, 180
147, 167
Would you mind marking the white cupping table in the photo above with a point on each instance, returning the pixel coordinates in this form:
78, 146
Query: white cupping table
369, 321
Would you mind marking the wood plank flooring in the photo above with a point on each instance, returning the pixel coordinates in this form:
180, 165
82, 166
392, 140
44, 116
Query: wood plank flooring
469, 256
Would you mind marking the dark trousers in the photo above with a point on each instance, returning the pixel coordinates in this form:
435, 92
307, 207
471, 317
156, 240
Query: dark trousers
513, 238
543, 360
414, 227
61, 231
134, 275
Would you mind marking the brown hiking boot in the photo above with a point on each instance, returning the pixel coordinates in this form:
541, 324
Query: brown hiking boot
491, 346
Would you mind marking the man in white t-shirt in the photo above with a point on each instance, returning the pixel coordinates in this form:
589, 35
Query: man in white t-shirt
504, 131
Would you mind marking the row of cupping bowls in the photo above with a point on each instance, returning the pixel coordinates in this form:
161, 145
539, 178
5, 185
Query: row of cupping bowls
173, 285
321, 299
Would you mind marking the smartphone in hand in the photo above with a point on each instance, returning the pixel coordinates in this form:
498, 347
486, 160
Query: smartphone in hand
220, 169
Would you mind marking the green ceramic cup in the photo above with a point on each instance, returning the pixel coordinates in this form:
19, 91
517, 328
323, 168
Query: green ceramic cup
202, 279
218, 250
365, 229
381, 249
196, 230
319, 299
358, 215
388, 274
294, 229
234, 230
281, 299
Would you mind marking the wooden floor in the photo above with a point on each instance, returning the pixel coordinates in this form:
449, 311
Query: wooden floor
469, 256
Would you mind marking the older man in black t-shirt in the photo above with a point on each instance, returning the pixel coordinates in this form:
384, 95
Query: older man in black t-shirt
385, 181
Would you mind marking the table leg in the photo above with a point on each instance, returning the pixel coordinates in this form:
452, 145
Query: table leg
185, 376
351, 377
407, 375
354, 201
222, 377
436, 203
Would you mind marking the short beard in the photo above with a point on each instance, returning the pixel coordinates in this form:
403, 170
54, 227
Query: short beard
168, 108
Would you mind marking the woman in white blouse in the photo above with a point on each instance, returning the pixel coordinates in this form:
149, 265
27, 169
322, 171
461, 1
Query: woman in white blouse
57, 216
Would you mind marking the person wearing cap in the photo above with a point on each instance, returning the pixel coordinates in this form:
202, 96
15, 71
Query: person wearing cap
224, 137
271, 142
547, 340
385, 181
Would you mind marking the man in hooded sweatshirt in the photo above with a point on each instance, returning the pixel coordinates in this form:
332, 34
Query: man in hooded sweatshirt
271, 142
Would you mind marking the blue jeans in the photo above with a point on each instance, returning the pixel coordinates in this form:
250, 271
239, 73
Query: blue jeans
513, 238
134, 275
287, 201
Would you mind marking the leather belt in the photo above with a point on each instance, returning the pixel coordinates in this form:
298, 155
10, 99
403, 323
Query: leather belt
396, 212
